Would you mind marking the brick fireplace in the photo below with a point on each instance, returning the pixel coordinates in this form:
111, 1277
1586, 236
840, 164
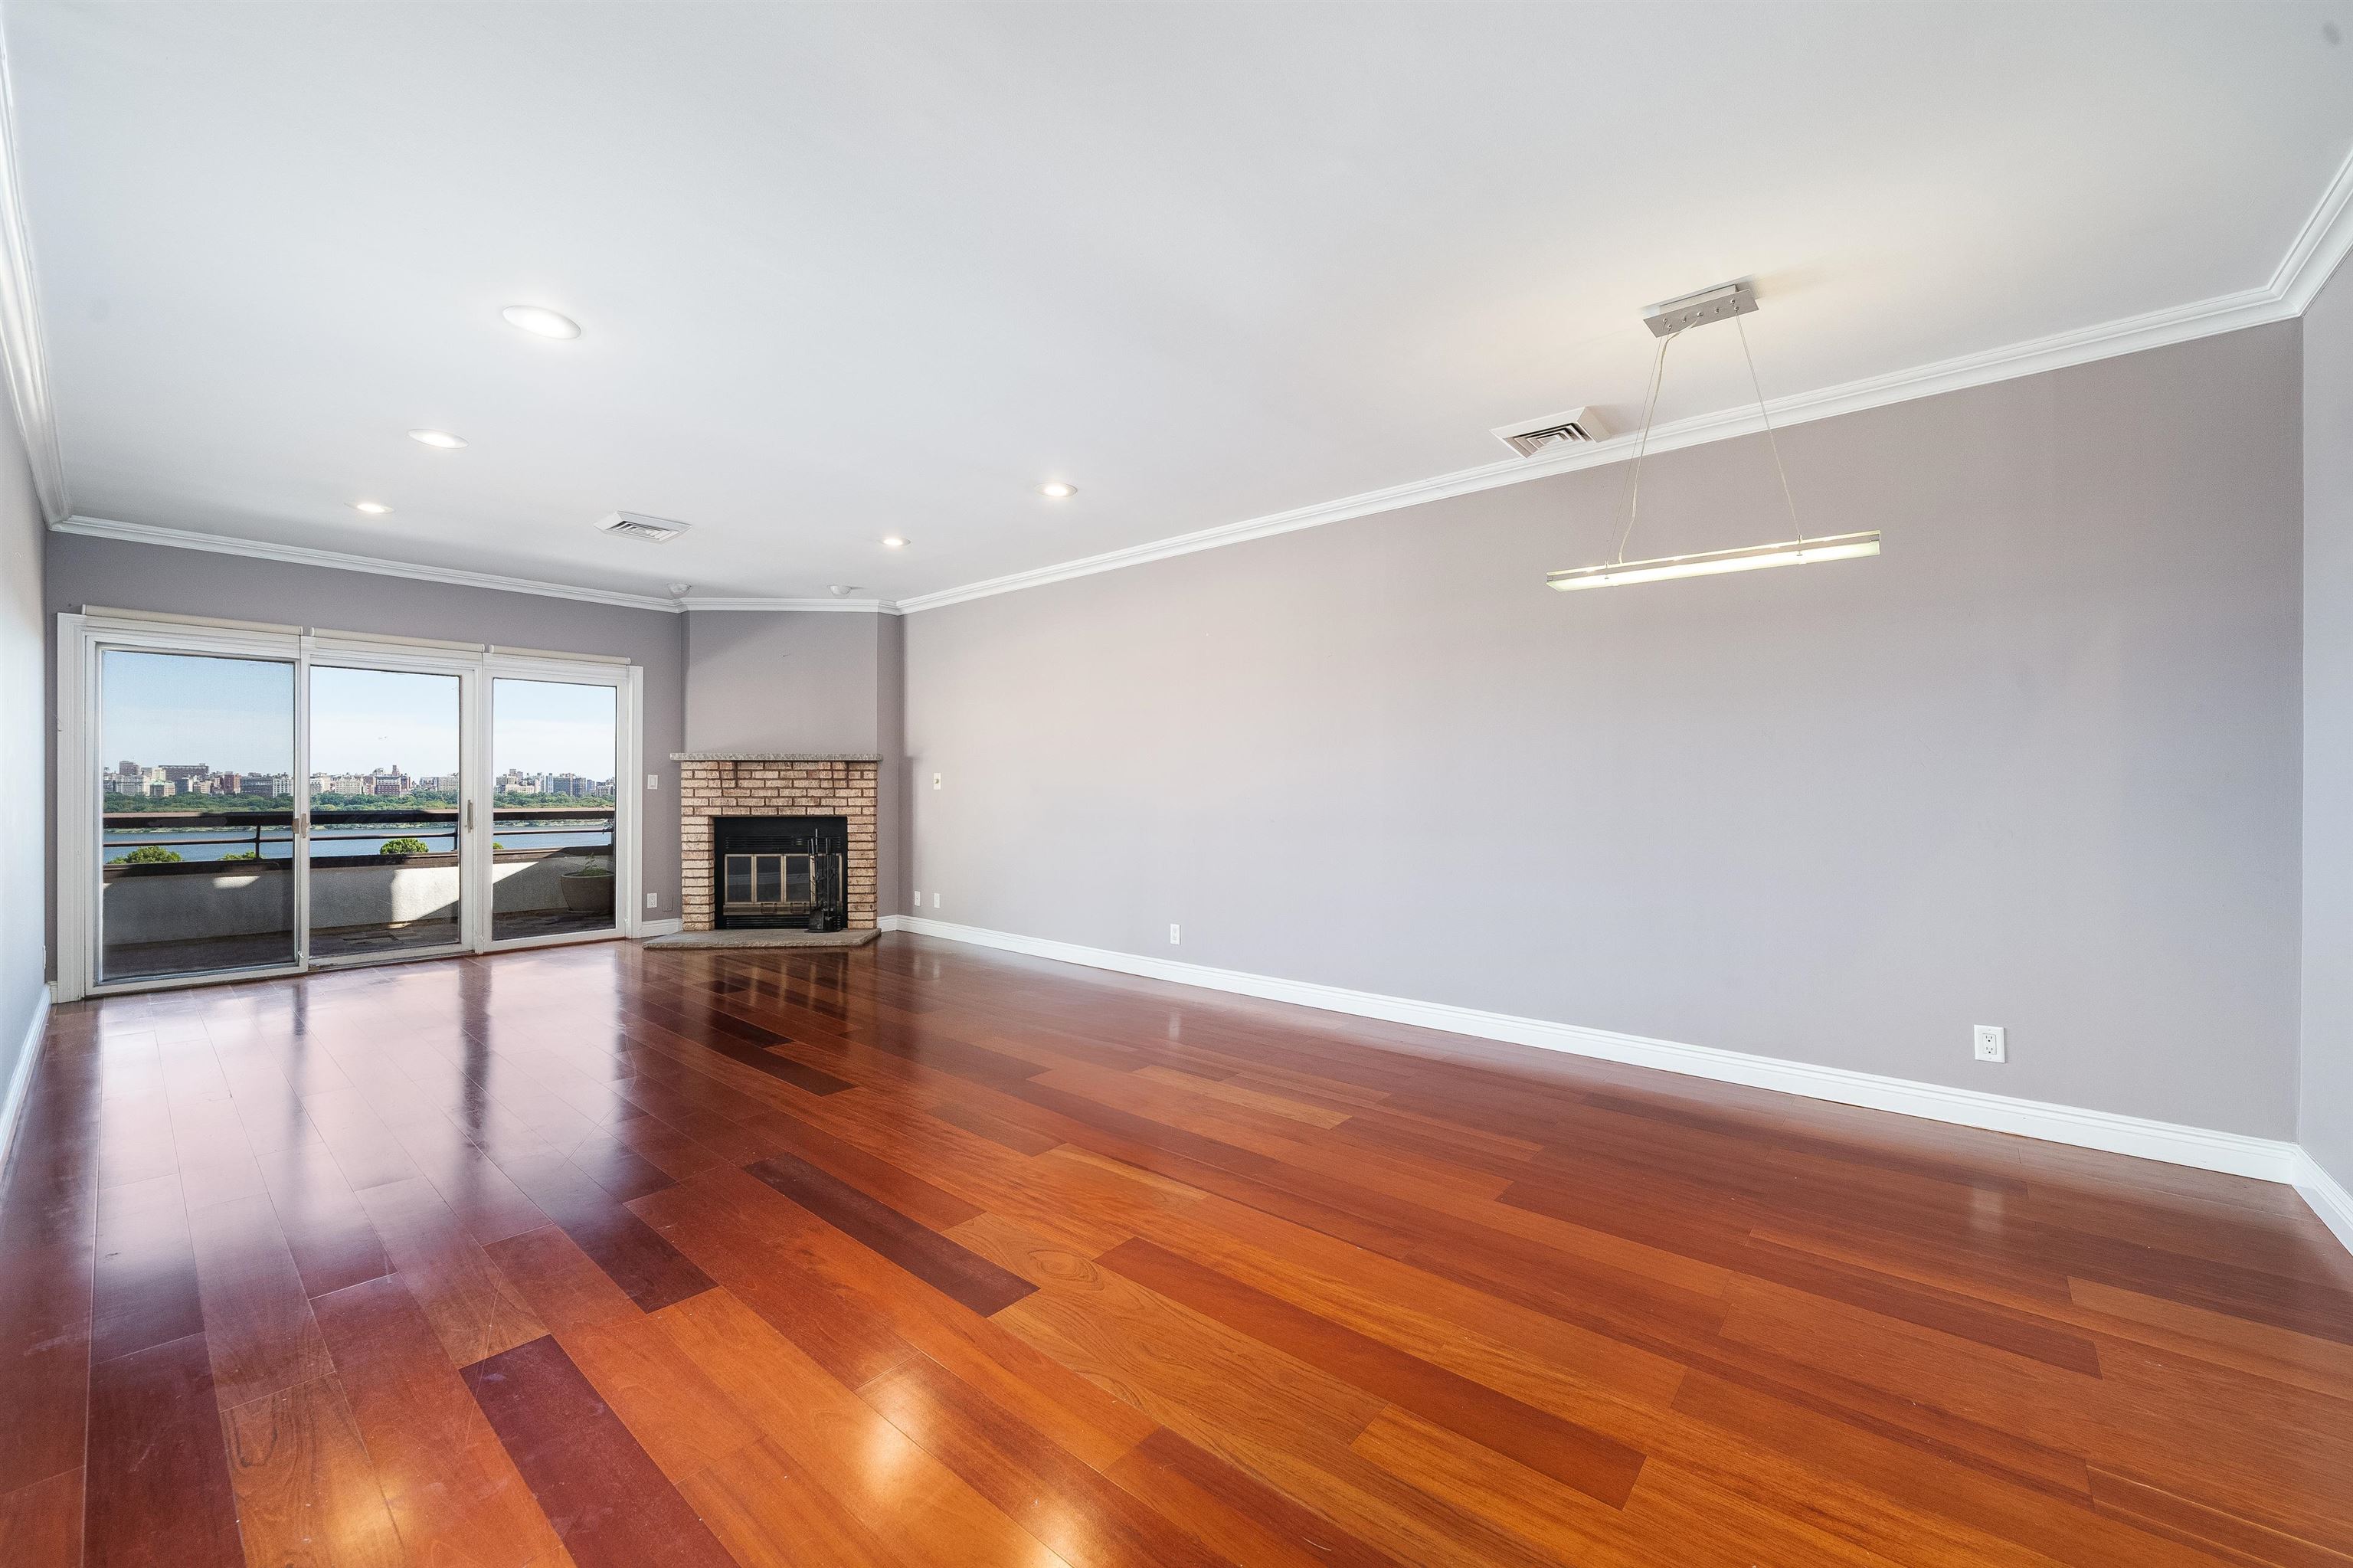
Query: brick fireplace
714, 784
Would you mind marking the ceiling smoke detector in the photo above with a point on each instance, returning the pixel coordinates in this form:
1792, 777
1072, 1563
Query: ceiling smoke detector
1529, 438
638, 525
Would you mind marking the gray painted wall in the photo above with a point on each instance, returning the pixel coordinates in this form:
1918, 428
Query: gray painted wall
806, 681
121, 576
766, 681
24, 770
2036, 766
2326, 1106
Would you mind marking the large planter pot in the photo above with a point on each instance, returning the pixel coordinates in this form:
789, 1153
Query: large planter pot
587, 894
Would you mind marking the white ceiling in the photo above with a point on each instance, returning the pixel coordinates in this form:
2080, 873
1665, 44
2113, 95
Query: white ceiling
858, 270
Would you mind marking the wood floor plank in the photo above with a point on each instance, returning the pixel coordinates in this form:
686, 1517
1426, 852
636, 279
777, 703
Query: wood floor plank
145, 1281
914, 1246
306, 1491
40, 1524
1057, 1497
768, 1513
562, 1285
1236, 1513
1596, 1465
454, 1494
326, 1228
633, 1254
475, 1310
609, 1503
813, 1421
257, 1322
158, 1488
677, 1414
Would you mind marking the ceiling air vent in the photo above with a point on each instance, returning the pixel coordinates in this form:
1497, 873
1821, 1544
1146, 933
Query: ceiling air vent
1531, 437
638, 525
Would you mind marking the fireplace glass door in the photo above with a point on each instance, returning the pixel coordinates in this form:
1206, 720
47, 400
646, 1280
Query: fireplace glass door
770, 884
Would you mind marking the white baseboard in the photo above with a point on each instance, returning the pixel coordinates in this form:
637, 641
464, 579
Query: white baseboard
2327, 1197
2267, 1159
20, 1081
659, 928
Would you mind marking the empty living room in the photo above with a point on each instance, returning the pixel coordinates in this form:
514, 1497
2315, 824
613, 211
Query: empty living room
1423, 784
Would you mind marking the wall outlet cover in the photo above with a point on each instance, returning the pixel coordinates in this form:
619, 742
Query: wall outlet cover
1172, 933
653, 900
1991, 1041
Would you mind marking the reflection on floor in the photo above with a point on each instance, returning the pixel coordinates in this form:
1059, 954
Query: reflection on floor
916, 1254
508, 927
275, 949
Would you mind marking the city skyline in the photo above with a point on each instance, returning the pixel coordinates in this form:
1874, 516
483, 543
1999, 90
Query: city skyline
130, 776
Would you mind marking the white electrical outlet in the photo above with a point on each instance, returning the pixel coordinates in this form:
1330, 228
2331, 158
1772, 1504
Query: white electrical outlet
1172, 933
919, 898
653, 900
1992, 1044
935, 901
653, 780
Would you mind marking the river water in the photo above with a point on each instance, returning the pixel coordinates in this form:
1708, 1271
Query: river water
440, 838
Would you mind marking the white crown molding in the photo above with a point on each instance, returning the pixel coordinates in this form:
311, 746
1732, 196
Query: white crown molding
796, 605
21, 341
2318, 247
2327, 1197
20, 1081
2263, 1158
336, 560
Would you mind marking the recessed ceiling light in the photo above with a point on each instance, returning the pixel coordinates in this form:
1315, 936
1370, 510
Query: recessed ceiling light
541, 322
893, 541
441, 438
1058, 490
373, 508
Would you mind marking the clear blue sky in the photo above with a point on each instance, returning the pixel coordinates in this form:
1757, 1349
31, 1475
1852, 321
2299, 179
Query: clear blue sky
237, 715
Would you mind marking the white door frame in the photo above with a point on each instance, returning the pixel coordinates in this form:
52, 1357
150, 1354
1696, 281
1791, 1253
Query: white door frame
628, 682
339, 650
82, 638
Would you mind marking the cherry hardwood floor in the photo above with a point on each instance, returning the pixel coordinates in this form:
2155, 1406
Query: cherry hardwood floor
919, 1254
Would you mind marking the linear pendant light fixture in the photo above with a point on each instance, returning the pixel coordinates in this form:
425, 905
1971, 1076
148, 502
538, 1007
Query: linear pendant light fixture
1667, 320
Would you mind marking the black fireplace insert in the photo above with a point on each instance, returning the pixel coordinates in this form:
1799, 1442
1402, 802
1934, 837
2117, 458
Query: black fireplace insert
781, 872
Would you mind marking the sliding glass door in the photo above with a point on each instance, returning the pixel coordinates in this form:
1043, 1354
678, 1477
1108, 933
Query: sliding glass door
196, 872
554, 749
244, 801
386, 813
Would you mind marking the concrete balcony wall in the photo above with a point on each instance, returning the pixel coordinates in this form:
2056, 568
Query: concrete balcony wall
188, 902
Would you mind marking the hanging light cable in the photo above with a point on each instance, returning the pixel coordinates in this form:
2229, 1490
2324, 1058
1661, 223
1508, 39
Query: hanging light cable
1670, 320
